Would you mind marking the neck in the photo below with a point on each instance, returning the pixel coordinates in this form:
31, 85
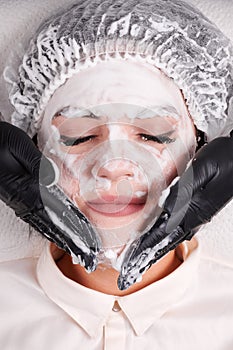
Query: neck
105, 279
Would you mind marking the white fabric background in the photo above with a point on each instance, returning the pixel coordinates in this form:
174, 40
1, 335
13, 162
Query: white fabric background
18, 19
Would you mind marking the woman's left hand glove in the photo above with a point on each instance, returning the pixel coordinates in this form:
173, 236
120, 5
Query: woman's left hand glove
201, 192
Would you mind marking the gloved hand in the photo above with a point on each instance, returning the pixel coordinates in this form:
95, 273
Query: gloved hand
26, 185
204, 188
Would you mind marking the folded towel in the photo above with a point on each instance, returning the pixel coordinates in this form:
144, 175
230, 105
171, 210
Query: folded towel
18, 19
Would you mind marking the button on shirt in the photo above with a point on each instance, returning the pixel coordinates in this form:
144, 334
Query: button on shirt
191, 309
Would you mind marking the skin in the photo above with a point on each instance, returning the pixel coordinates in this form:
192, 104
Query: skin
114, 166
104, 279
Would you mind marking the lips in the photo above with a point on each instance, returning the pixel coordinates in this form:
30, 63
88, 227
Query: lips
117, 206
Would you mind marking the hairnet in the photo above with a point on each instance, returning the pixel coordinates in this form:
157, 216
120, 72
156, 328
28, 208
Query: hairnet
169, 34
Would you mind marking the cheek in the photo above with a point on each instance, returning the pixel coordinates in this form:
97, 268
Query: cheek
182, 150
170, 172
170, 162
187, 136
178, 157
162, 168
67, 181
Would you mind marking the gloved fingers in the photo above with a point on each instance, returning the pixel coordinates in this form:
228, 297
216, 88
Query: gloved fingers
205, 187
206, 203
135, 265
142, 250
48, 172
206, 165
20, 193
69, 219
192, 180
60, 218
42, 223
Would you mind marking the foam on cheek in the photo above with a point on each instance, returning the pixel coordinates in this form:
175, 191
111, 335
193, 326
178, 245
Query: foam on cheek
189, 136
179, 152
159, 173
68, 164
70, 161
48, 141
186, 138
160, 155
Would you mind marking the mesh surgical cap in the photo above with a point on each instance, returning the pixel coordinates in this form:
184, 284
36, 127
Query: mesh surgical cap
169, 34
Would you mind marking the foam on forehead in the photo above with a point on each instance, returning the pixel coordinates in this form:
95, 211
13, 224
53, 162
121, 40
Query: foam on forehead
140, 90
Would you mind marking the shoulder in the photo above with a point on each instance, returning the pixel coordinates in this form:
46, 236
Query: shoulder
19, 283
21, 296
21, 291
216, 271
215, 263
213, 289
18, 271
28, 318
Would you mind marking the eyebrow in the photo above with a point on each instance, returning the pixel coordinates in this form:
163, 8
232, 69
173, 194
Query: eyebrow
159, 110
91, 116
162, 110
74, 112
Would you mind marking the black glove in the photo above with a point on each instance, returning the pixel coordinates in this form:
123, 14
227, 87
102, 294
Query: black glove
26, 179
204, 188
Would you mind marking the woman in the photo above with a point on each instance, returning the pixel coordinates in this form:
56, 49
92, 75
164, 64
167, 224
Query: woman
119, 130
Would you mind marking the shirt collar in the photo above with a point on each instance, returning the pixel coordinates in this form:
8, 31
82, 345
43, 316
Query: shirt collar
86, 306
90, 308
147, 305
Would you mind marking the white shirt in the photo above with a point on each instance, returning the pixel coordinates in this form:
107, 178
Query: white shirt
41, 309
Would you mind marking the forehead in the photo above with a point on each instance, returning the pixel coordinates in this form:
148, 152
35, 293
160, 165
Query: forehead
125, 83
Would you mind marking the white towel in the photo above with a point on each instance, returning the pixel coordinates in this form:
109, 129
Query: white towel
18, 19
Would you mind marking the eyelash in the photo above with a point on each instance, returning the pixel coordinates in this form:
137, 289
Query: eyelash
68, 141
162, 139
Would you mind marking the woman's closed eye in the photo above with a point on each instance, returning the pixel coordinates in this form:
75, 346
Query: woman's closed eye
161, 139
74, 141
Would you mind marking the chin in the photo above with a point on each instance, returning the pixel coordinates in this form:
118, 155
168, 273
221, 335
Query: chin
112, 258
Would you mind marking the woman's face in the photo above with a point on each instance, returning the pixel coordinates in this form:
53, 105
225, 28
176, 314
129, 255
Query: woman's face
119, 133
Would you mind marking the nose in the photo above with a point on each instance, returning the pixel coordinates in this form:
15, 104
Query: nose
116, 169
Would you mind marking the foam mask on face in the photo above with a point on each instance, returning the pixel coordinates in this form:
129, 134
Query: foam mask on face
119, 132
